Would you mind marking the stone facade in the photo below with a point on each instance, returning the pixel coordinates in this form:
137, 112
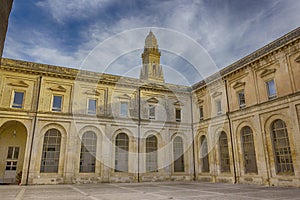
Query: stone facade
71, 126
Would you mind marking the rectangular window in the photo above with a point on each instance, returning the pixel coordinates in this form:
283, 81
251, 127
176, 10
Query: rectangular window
271, 89
219, 107
92, 104
242, 101
178, 114
201, 113
124, 109
56, 104
151, 112
12, 158
18, 100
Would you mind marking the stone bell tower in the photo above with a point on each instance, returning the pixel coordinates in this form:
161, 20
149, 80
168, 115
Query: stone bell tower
151, 70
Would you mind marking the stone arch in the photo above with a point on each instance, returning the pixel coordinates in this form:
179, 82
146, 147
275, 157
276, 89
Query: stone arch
13, 147
63, 144
269, 140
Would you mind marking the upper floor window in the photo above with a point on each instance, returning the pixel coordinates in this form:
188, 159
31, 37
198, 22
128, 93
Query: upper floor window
57, 102
271, 89
92, 104
219, 107
124, 109
151, 112
18, 100
201, 113
178, 114
242, 101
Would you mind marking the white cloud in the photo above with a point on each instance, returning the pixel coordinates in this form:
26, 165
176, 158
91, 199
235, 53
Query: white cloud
62, 10
226, 34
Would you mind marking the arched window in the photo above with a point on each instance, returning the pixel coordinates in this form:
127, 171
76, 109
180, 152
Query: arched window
281, 147
88, 152
151, 154
224, 153
248, 150
121, 153
51, 151
178, 154
204, 154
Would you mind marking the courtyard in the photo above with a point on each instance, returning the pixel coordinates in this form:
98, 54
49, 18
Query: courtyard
134, 191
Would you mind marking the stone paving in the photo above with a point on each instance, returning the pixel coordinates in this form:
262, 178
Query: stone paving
144, 191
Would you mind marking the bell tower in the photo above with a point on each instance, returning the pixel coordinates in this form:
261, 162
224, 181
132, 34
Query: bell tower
151, 70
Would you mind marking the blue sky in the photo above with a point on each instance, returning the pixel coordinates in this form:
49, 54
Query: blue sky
71, 32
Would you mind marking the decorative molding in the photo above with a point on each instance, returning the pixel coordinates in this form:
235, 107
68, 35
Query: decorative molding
297, 60
267, 72
152, 100
215, 94
239, 84
124, 96
200, 101
19, 84
59, 88
178, 103
92, 92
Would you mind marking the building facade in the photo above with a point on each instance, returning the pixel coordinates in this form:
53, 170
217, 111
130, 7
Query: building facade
241, 125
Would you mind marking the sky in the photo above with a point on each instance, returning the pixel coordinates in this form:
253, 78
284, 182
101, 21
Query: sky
196, 38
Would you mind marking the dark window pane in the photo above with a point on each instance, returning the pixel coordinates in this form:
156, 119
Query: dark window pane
18, 100
248, 150
151, 112
178, 114
56, 106
242, 100
88, 152
201, 113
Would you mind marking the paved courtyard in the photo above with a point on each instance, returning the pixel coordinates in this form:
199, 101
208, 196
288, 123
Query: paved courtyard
133, 191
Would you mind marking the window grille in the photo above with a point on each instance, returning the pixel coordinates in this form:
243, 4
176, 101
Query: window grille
178, 154
121, 153
248, 150
204, 154
281, 146
224, 153
51, 151
88, 152
151, 154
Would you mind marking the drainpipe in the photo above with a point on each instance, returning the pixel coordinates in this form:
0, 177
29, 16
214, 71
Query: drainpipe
34, 127
230, 130
193, 135
139, 130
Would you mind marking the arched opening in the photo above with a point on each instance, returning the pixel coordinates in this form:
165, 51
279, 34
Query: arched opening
121, 153
88, 152
178, 154
224, 153
248, 150
204, 154
13, 137
281, 148
151, 154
